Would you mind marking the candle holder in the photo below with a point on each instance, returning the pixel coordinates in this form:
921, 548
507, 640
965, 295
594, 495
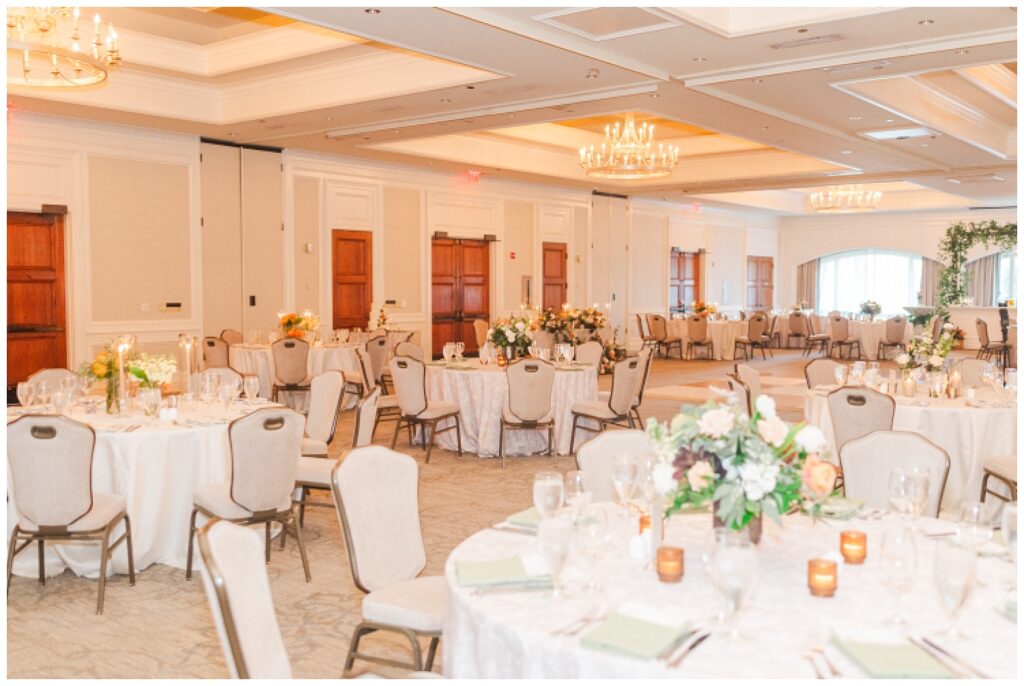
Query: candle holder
822, 577
645, 523
909, 387
854, 546
671, 564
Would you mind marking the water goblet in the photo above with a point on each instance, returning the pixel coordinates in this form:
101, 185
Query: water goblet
460, 347
922, 481
841, 372
901, 490
733, 572
69, 383
1009, 528
26, 394
61, 399
568, 352
975, 524
251, 385
954, 570
576, 496
446, 352
548, 493
150, 398
226, 394
625, 474
898, 560
593, 535
43, 393
554, 536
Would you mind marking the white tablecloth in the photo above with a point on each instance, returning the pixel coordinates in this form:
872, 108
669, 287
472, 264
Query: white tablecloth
482, 391
723, 335
870, 334
968, 434
259, 360
507, 635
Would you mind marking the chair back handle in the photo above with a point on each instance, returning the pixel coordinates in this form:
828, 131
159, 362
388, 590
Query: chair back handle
43, 433
856, 400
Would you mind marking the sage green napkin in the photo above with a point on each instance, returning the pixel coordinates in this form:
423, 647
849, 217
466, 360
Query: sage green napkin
893, 660
529, 519
507, 570
634, 637
1009, 610
838, 507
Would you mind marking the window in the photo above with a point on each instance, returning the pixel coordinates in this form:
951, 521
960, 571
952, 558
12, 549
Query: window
1006, 277
846, 279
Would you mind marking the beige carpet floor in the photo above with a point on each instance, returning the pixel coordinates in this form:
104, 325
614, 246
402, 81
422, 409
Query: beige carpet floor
162, 627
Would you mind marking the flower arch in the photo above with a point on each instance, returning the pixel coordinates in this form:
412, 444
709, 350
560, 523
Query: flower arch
959, 239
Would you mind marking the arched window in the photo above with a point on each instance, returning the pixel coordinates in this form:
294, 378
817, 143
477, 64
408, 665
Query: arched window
1006, 277
890, 278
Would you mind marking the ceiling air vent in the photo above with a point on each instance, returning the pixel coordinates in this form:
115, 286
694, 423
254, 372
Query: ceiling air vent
860, 66
804, 42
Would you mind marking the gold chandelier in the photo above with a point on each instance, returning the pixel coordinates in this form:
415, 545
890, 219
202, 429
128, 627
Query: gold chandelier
628, 153
852, 198
44, 48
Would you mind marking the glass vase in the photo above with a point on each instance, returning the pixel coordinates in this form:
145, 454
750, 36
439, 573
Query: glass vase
113, 404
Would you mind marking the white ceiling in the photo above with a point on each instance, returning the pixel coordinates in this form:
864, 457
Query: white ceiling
786, 94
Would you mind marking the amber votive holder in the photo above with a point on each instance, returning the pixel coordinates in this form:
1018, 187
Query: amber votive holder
645, 523
822, 577
854, 546
671, 564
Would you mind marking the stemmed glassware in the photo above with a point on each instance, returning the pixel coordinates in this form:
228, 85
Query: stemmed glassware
733, 571
43, 393
975, 524
554, 535
902, 487
857, 373
150, 398
460, 347
1010, 529
548, 493
898, 560
841, 372
568, 352
625, 474
61, 399
226, 394
26, 394
955, 568
922, 480
251, 385
593, 535
576, 496
447, 352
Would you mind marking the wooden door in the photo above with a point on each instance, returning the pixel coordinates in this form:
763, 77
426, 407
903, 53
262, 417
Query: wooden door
556, 278
352, 259
760, 292
460, 290
36, 335
684, 279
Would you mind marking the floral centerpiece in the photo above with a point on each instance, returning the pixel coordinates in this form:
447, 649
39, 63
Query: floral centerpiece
703, 309
798, 306
745, 466
870, 308
153, 371
382, 317
922, 351
590, 319
554, 323
511, 334
293, 325
104, 367
612, 352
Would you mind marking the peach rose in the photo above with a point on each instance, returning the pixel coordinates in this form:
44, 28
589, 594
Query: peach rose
819, 477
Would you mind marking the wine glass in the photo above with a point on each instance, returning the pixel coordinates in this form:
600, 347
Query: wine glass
226, 394
251, 385
857, 374
447, 352
955, 567
841, 372
43, 393
898, 560
26, 394
975, 524
901, 489
733, 572
922, 481
1010, 529
568, 352
460, 347
593, 535
150, 401
625, 473
645, 477
61, 399
69, 383
576, 496
554, 536
988, 374
548, 493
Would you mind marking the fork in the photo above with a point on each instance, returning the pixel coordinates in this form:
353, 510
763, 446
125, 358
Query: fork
809, 656
828, 662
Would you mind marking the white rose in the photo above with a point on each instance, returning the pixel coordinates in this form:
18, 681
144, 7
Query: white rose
773, 431
935, 361
521, 326
903, 359
699, 474
765, 405
810, 439
717, 422
663, 479
947, 326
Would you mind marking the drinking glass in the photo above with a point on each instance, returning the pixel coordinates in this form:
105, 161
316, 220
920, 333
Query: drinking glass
252, 387
733, 572
69, 383
226, 394
857, 374
554, 535
568, 352
446, 352
460, 347
975, 524
988, 374
61, 399
43, 393
548, 493
576, 496
922, 481
26, 393
150, 401
901, 489
593, 535
898, 560
625, 473
1011, 379
1010, 529
842, 372
954, 578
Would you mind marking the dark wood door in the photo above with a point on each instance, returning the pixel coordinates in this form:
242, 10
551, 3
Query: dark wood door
556, 278
352, 259
683, 279
760, 292
460, 290
36, 337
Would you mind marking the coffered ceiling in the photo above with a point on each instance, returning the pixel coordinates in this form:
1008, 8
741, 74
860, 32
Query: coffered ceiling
765, 104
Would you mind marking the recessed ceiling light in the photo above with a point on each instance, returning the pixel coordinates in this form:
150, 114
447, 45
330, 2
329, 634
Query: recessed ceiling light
956, 181
372, 10
855, 117
655, 95
962, 51
889, 121
398, 130
511, 115
593, 73
924, 145
700, 59
997, 178
899, 133
330, 118
757, 80
926, 22
846, 152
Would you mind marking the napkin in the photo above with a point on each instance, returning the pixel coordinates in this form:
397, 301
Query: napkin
639, 631
506, 570
1009, 610
899, 660
840, 508
529, 519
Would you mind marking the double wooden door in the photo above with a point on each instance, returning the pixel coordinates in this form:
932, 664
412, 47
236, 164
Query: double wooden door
760, 292
556, 279
36, 337
460, 290
683, 279
352, 278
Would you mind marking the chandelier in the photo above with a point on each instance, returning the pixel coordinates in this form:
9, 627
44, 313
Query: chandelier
628, 153
853, 198
44, 48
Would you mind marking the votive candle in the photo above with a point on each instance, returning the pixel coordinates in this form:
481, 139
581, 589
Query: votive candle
645, 523
909, 387
671, 564
822, 577
854, 546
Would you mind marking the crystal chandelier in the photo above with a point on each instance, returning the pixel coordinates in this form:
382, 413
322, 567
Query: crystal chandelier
853, 198
44, 48
628, 153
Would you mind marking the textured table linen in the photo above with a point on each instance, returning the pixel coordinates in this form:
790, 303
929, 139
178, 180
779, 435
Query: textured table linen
508, 635
968, 434
870, 334
723, 335
259, 360
482, 391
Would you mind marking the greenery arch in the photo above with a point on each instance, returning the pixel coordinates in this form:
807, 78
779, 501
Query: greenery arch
959, 239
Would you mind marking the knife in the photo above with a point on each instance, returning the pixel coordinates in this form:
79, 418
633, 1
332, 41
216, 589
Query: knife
978, 673
689, 649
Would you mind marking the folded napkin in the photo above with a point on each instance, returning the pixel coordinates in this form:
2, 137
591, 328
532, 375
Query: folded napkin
507, 570
1009, 610
840, 508
901, 660
629, 631
529, 519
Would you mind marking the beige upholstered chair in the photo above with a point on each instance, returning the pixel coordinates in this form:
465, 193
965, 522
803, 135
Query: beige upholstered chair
314, 473
49, 460
265, 447
698, 334
1002, 468
751, 377
376, 497
377, 347
291, 360
988, 347
480, 328
231, 337
820, 340
755, 338
408, 349
238, 590
590, 352
597, 456
799, 327
742, 392
53, 376
362, 380
648, 339
215, 352
659, 329
841, 337
867, 462
646, 356
820, 372
774, 335
528, 407
857, 412
626, 378
971, 371
414, 408
324, 407
895, 331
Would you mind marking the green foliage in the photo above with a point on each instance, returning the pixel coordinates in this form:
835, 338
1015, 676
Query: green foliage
959, 239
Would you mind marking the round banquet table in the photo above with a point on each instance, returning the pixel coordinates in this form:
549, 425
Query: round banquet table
258, 359
156, 467
969, 434
481, 391
508, 634
723, 335
870, 333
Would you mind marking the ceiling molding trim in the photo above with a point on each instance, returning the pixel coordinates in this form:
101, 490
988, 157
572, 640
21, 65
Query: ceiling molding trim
994, 79
703, 17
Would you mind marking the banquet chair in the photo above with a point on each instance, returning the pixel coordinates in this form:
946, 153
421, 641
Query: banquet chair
291, 360
626, 377
755, 338
867, 462
231, 337
528, 407
265, 447
698, 334
892, 337
820, 372
1002, 468
408, 349
314, 472
936, 324
364, 384
377, 347
751, 377
841, 337
742, 392
971, 371
646, 356
325, 393
414, 408
799, 327
52, 376
820, 340
774, 334
215, 352
49, 462
376, 498
988, 347
648, 339
857, 412
659, 329
597, 456
400, 338
590, 352
480, 329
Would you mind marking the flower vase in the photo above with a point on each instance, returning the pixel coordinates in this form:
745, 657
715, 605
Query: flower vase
113, 404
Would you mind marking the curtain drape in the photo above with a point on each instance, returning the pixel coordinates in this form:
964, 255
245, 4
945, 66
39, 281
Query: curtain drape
930, 272
807, 283
981, 280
